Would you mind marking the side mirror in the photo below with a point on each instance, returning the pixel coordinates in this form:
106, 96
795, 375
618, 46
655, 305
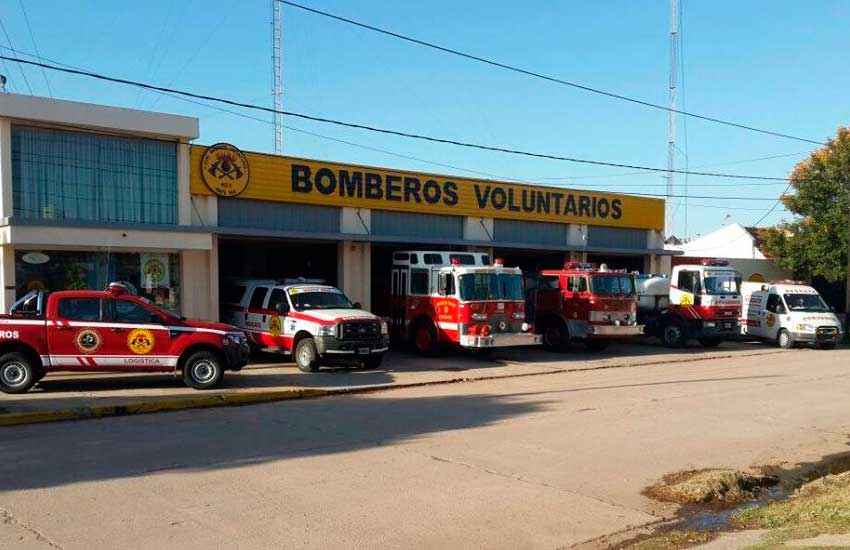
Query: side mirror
358, 305
443, 285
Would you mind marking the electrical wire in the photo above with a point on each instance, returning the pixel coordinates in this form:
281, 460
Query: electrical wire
541, 76
34, 45
380, 130
15, 56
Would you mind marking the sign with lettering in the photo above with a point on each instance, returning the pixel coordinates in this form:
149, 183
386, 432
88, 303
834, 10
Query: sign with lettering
304, 181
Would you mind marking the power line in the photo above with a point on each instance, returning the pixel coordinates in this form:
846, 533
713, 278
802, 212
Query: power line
541, 76
379, 130
35, 46
15, 55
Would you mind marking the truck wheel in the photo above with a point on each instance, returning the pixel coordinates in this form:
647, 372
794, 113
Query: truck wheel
17, 374
596, 345
674, 334
784, 339
555, 336
373, 362
306, 356
425, 339
710, 342
203, 370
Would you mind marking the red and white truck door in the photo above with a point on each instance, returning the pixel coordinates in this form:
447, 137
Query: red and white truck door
398, 312
256, 316
134, 337
75, 337
770, 316
281, 332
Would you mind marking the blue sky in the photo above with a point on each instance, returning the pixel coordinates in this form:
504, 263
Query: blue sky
772, 64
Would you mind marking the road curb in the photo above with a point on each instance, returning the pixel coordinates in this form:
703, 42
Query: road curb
257, 397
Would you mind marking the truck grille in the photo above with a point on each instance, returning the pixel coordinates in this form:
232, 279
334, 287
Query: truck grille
359, 330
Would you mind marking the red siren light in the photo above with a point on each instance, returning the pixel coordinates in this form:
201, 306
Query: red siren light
116, 288
714, 262
455, 261
499, 262
579, 266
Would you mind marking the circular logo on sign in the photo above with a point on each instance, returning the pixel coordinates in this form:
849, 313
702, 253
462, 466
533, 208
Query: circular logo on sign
686, 300
140, 341
154, 270
88, 340
225, 170
274, 325
771, 319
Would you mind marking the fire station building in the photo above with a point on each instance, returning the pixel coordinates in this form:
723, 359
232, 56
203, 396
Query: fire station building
91, 193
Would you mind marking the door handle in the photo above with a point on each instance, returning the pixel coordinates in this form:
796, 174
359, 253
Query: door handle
264, 318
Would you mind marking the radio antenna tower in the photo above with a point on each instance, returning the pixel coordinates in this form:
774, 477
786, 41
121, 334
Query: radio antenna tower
671, 127
277, 85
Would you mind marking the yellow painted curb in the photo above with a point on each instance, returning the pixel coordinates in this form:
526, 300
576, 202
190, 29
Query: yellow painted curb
144, 407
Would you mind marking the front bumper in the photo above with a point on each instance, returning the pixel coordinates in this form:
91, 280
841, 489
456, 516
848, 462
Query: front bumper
237, 355
499, 340
718, 328
332, 346
818, 337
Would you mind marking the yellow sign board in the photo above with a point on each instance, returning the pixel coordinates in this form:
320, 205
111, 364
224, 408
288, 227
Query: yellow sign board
305, 181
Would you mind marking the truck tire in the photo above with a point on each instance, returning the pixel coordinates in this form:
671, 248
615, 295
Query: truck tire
784, 339
556, 336
373, 362
596, 344
17, 374
674, 333
203, 370
710, 342
425, 338
306, 355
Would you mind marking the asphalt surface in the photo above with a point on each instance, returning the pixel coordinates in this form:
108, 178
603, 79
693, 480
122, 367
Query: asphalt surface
534, 462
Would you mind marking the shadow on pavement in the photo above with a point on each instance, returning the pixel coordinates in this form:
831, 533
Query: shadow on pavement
197, 441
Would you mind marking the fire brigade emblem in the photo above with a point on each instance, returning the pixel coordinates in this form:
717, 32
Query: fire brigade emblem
274, 325
140, 341
686, 300
88, 340
771, 320
154, 271
225, 170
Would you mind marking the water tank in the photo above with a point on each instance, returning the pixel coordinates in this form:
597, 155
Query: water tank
653, 291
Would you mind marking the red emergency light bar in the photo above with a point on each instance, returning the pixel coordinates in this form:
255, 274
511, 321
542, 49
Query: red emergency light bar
580, 266
499, 262
117, 289
714, 262
787, 282
455, 260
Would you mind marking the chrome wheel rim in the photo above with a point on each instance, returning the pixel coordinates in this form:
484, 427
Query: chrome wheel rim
14, 374
783, 339
203, 371
305, 356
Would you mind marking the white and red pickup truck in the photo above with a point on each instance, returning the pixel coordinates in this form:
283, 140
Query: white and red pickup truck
111, 331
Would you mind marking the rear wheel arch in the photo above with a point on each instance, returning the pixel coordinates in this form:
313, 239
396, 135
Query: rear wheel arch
25, 349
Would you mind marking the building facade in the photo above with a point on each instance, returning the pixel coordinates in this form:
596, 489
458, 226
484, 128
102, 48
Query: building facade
92, 193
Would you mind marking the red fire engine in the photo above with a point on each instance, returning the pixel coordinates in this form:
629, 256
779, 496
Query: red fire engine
457, 298
585, 303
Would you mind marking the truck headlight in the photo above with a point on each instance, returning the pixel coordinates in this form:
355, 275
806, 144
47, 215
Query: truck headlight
805, 328
233, 339
525, 327
710, 324
385, 329
479, 316
327, 330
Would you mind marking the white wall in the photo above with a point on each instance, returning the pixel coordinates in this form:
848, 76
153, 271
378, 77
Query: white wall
354, 271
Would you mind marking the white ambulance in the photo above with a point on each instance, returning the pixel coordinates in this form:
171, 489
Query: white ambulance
788, 313
313, 321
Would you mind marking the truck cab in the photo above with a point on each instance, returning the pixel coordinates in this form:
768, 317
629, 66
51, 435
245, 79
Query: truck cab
444, 299
700, 301
582, 303
314, 322
111, 331
788, 313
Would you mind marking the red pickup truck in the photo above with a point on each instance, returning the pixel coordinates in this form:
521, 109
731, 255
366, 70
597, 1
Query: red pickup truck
111, 331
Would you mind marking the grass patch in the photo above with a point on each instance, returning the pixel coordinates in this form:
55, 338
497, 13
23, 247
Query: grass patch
713, 487
674, 540
820, 507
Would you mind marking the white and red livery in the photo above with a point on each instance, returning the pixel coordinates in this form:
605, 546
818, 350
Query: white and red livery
313, 321
111, 331
583, 302
457, 298
698, 301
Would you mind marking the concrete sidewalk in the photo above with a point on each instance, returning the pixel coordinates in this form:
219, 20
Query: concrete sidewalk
75, 396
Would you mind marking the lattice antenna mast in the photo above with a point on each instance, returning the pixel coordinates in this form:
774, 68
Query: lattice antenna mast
277, 84
671, 125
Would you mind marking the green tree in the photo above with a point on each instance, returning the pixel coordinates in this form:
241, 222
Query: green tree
815, 243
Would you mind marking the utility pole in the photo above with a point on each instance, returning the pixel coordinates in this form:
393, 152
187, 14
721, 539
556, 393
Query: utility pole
277, 76
671, 128
847, 290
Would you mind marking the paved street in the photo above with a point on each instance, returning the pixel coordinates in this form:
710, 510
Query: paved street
534, 462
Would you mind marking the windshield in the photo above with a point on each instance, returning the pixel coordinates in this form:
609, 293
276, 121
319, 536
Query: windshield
805, 302
722, 282
612, 284
303, 301
490, 286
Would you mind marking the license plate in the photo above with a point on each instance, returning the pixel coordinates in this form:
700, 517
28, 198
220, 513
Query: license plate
727, 325
362, 351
